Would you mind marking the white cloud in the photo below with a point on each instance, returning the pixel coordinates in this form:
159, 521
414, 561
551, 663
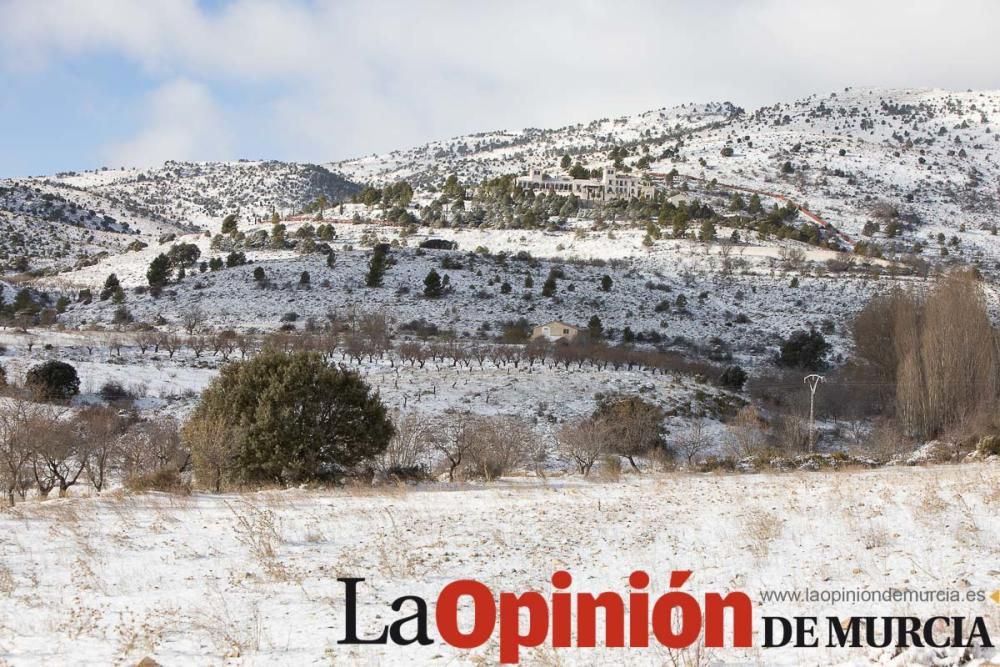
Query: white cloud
180, 122
356, 76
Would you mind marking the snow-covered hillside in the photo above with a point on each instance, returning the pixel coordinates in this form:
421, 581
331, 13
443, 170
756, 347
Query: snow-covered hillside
919, 162
479, 156
48, 226
203, 193
930, 158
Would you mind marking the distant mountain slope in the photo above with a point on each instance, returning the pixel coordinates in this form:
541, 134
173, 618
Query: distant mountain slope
908, 170
477, 156
928, 160
204, 192
894, 166
47, 227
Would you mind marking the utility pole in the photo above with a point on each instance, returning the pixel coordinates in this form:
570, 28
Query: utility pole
813, 382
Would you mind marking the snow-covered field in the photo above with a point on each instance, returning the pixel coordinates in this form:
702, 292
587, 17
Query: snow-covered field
252, 579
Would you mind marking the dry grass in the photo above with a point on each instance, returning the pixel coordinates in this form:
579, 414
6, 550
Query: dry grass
932, 504
259, 530
609, 469
7, 584
876, 537
80, 619
693, 656
992, 497
238, 632
137, 635
761, 529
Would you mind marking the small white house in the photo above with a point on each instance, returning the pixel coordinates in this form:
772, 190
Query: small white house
554, 331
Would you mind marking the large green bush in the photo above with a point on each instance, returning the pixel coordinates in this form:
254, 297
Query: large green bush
53, 380
291, 417
805, 350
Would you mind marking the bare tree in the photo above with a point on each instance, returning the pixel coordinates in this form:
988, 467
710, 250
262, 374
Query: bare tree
790, 432
60, 451
536, 351
198, 344
115, 344
99, 430
375, 329
937, 355
247, 344
480, 353
15, 451
171, 344
354, 346
151, 446
225, 342
453, 437
693, 441
500, 445
146, 340
585, 441
192, 320
745, 434
212, 442
407, 451
634, 426
413, 353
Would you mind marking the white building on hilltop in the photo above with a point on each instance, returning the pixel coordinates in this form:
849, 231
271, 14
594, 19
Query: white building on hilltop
611, 185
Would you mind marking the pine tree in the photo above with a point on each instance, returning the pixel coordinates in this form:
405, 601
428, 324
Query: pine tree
110, 285
229, 224
278, 236
528, 282
595, 328
376, 268
159, 271
707, 231
606, 283
24, 302
549, 287
432, 285
680, 225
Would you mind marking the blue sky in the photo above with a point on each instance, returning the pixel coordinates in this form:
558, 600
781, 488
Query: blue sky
89, 83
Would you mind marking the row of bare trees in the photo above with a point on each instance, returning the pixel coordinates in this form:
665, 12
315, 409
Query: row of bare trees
45, 447
371, 341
